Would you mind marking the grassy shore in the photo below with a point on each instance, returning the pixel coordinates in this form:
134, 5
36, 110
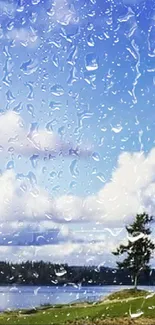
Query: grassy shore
119, 309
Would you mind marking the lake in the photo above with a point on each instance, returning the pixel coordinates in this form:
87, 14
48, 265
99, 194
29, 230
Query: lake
18, 297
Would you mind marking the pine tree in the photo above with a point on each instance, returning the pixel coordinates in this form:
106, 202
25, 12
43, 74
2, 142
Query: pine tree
139, 248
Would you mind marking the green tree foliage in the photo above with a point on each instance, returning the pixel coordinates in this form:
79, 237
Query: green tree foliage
138, 251
45, 273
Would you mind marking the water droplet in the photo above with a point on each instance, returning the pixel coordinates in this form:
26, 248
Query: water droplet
56, 188
92, 13
32, 178
72, 56
11, 140
33, 130
49, 127
31, 94
30, 109
91, 62
57, 90
117, 129
55, 106
135, 315
10, 25
94, 171
53, 174
151, 41
14, 288
61, 272
20, 176
84, 115
35, 2
36, 275
9, 96
33, 17
133, 239
10, 149
18, 108
114, 232
8, 68
6, 51
29, 67
44, 170
96, 156
150, 295
34, 160
90, 78
61, 130
60, 174
125, 18
10, 164
101, 141
51, 12
55, 60
90, 26
1, 32
73, 168
90, 40
73, 184
36, 290
101, 177
72, 76
103, 129
34, 192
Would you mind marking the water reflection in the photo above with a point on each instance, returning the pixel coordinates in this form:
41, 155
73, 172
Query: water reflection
31, 296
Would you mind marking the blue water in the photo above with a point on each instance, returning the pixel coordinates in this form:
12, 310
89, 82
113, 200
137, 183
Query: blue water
17, 297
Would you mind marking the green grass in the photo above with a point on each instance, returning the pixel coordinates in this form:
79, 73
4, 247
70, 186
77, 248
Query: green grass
86, 313
127, 293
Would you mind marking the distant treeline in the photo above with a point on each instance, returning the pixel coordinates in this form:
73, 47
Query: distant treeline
42, 273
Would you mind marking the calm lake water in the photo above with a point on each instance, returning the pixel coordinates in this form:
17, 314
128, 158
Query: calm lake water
17, 297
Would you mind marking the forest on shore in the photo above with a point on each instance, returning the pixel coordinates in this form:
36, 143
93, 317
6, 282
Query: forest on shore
43, 273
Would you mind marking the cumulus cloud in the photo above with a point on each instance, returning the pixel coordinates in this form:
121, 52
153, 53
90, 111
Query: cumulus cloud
131, 190
63, 12
72, 253
17, 137
23, 204
24, 36
19, 199
7, 8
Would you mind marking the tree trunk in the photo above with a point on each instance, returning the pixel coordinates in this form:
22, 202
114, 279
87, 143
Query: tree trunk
135, 281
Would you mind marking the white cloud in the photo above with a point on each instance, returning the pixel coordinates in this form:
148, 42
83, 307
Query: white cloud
14, 134
63, 12
21, 200
8, 8
74, 254
131, 190
24, 36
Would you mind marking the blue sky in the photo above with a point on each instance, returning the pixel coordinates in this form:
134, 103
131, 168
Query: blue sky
77, 86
